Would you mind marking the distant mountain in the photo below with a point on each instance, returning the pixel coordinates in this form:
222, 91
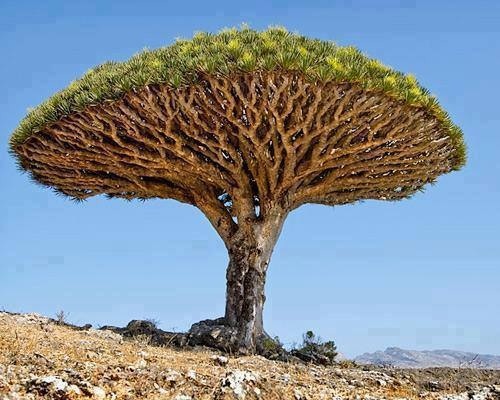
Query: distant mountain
394, 356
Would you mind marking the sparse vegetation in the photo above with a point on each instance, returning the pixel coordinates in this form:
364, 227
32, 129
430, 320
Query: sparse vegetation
314, 349
141, 340
153, 321
272, 347
62, 317
345, 364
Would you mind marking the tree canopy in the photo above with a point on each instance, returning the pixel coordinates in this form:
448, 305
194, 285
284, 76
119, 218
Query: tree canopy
236, 50
246, 126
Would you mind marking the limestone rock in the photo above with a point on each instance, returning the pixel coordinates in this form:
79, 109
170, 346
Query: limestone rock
219, 360
239, 382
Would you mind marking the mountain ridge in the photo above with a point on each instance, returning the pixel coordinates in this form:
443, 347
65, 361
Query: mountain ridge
404, 358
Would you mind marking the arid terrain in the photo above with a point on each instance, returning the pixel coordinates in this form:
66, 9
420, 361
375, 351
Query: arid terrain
41, 359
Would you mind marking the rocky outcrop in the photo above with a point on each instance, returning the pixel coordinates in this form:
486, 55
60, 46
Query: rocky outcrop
213, 333
148, 331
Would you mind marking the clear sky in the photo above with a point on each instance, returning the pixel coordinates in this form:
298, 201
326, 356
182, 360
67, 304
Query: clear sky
420, 274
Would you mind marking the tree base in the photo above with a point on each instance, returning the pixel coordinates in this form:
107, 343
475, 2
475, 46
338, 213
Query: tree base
216, 333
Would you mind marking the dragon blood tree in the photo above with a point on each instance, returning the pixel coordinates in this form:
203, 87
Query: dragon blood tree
246, 126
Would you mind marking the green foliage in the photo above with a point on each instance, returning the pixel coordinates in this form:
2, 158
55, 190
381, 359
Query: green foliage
272, 345
347, 364
230, 51
314, 347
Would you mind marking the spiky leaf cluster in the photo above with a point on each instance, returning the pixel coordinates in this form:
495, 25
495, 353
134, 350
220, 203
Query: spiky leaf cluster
234, 51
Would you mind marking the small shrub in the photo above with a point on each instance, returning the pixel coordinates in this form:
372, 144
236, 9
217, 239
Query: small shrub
315, 350
153, 321
62, 317
141, 340
272, 345
347, 364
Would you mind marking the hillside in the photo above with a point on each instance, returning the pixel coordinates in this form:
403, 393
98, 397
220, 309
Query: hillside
40, 359
396, 357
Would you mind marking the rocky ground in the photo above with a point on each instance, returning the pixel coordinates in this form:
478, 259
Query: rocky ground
40, 359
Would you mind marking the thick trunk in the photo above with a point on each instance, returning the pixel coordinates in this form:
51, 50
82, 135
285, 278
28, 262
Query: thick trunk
249, 257
246, 275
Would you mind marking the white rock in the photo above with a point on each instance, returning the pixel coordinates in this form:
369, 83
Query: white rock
238, 381
55, 383
74, 389
298, 394
215, 333
461, 396
369, 397
98, 393
105, 334
173, 376
182, 397
31, 318
13, 396
483, 394
141, 364
221, 360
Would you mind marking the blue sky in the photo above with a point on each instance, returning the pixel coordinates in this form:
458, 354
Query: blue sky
422, 274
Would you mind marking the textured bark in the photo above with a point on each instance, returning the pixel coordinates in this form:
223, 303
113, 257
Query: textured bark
231, 143
245, 149
249, 258
245, 298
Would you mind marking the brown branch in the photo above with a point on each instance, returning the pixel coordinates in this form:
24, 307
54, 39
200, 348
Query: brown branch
239, 147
